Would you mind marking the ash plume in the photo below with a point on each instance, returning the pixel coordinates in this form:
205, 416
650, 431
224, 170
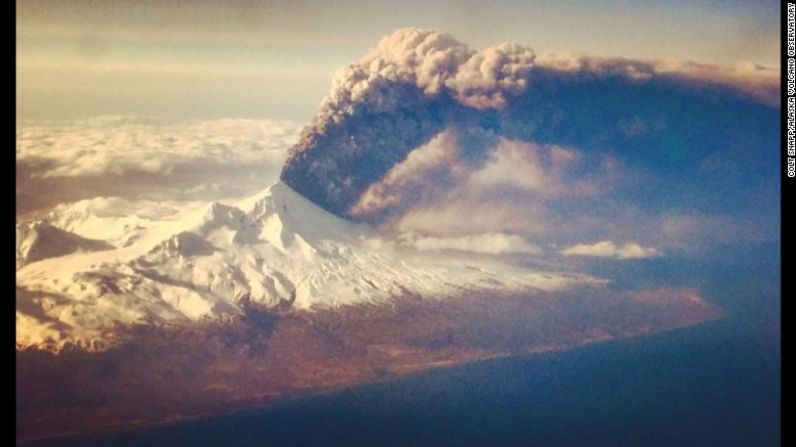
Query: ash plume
420, 89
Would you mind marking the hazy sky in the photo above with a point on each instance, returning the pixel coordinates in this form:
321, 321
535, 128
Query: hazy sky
195, 59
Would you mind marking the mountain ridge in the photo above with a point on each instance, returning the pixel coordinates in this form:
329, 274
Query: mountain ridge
271, 249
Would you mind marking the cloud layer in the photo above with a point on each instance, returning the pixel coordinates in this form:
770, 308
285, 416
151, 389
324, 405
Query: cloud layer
139, 157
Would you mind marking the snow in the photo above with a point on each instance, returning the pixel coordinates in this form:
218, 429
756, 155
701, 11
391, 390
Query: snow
39, 240
273, 248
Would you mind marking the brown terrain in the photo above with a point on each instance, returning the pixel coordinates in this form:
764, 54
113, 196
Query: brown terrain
168, 374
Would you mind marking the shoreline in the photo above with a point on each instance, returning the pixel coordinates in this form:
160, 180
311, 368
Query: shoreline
273, 403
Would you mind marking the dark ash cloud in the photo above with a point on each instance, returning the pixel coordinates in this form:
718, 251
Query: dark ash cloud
423, 88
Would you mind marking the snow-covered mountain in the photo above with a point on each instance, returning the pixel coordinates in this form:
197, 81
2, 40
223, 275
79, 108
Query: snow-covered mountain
40, 240
275, 248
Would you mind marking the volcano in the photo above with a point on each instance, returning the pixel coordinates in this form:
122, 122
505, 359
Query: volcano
274, 249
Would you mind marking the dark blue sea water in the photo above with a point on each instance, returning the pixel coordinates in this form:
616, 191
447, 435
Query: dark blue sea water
717, 384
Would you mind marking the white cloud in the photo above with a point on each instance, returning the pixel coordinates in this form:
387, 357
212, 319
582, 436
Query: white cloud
608, 249
119, 145
487, 243
468, 216
140, 158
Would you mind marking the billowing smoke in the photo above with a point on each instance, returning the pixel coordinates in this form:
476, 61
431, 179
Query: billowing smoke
449, 159
422, 111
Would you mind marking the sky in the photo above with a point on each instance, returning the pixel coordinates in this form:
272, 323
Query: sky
275, 59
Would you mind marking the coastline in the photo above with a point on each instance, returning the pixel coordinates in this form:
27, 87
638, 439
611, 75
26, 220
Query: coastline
270, 402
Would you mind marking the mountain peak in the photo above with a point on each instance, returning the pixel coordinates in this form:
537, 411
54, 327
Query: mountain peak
292, 214
40, 240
